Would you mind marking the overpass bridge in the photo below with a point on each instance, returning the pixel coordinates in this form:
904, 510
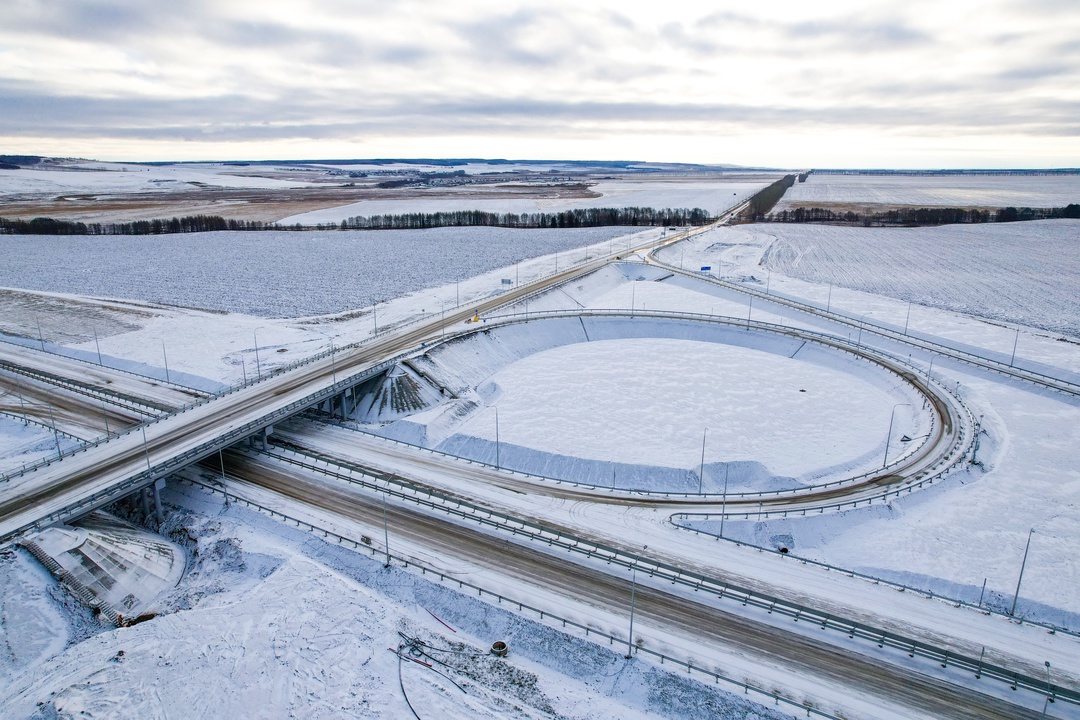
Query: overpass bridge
142, 457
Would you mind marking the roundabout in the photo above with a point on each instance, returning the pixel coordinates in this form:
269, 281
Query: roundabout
674, 408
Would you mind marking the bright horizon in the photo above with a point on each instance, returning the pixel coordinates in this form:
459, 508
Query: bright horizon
912, 85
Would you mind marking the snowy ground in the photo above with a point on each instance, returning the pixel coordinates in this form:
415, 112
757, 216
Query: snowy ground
1035, 191
77, 177
948, 538
716, 196
272, 623
609, 402
276, 273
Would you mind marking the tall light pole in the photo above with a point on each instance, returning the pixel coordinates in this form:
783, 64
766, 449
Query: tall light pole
888, 437
166, 356
375, 316
98, 346
633, 598
386, 532
1049, 688
828, 303
56, 435
908, 318
723, 506
1015, 341
1023, 563
258, 365
40, 338
497, 463
701, 467
22, 405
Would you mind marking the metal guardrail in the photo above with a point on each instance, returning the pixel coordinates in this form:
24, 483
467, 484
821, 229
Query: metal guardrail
873, 578
533, 531
522, 607
957, 452
1049, 381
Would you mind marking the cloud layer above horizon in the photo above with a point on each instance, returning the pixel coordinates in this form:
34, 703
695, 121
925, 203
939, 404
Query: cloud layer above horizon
901, 84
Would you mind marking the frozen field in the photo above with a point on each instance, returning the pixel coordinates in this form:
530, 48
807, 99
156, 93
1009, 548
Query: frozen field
99, 177
274, 273
714, 196
1026, 273
1035, 191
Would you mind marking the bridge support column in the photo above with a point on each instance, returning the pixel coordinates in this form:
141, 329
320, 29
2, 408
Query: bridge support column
145, 497
266, 432
159, 485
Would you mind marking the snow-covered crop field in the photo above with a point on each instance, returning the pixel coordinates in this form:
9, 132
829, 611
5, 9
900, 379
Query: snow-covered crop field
714, 196
1027, 273
100, 177
1034, 191
275, 273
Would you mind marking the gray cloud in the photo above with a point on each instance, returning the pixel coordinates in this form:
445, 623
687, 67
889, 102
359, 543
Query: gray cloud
339, 70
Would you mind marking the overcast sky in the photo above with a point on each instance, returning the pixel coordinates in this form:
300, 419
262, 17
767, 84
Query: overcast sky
944, 83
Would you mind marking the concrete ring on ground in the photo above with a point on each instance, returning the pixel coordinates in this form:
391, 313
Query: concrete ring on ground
939, 424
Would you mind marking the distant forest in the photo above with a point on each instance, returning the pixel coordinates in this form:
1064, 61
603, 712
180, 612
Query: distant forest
579, 218
912, 217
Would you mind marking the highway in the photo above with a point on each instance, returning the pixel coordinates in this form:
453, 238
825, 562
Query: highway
109, 470
920, 694
102, 473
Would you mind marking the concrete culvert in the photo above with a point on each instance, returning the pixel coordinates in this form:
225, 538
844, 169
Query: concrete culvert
499, 648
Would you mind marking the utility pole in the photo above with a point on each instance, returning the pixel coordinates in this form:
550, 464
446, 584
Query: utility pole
1012, 610
258, 365
167, 359
701, 468
633, 598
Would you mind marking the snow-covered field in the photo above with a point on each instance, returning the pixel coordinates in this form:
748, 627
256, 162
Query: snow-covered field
275, 273
1024, 273
101, 177
1034, 191
715, 196
270, 603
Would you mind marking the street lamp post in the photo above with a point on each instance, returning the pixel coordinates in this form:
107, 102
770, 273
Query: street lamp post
701, 467
166, 356
497, 463
888, 437
633, 597
1020, 579
258, 365
723, 506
